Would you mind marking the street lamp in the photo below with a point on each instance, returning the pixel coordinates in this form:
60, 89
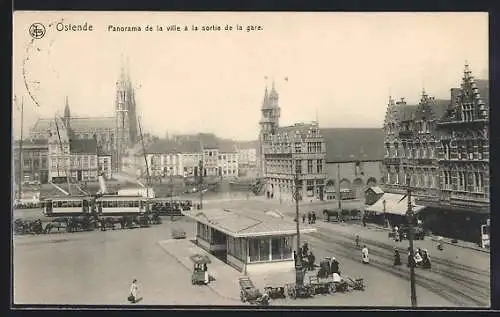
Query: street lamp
299, 272
410, 216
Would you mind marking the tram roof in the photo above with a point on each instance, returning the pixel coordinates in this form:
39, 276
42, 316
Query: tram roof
246, 222
121, 197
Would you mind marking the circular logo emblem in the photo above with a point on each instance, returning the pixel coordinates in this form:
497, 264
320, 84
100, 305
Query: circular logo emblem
37, 30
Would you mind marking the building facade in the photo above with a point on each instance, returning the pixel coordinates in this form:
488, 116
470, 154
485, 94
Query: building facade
229, 164
114, 134
77, 158
247, 157
289, 152
353, 160
35, 167
442, 146
411, 142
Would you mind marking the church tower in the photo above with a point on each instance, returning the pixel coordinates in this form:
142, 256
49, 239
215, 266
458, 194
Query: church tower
67, 114
122, 121
269, 123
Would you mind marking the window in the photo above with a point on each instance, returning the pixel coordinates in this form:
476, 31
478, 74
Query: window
387, 149
298, 147
310, 184
298, 166
309, 166
388, 177
319, 166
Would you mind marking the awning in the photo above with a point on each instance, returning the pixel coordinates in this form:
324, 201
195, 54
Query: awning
394, 204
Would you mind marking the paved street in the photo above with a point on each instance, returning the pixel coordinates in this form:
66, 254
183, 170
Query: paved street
97, 267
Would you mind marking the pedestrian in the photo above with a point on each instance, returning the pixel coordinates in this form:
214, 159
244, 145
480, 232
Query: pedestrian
305, 249
309, 217
134, 289
397, 258
335, 266
364, 255
313, 217
295, 257
357, 241
311, 259
303, 218
364, 221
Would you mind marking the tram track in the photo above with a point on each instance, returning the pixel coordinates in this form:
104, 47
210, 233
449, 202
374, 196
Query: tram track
435, 260
465, 292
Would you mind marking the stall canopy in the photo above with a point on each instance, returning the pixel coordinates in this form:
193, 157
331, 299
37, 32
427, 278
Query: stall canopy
395, 204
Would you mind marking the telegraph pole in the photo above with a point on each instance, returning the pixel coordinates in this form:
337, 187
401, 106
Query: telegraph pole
19, 195
410, 216
200, 167
145, 157
339, 199
299, 273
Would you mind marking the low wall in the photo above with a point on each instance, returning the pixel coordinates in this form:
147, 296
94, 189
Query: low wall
278, 266
210, 247
236, 263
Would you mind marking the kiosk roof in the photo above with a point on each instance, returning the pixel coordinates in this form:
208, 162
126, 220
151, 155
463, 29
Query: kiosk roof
245, 222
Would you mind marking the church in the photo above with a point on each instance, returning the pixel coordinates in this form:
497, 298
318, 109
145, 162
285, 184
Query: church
113, 134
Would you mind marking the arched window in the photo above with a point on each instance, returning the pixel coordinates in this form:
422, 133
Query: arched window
396, 149
387, 149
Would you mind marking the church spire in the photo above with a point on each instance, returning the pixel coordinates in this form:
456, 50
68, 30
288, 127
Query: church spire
67, 113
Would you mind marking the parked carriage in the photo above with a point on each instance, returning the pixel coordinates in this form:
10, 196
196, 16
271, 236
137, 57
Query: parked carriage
24, 226
249, 293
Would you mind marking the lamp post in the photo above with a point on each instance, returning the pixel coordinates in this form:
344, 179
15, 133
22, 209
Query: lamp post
299, 272
410, 216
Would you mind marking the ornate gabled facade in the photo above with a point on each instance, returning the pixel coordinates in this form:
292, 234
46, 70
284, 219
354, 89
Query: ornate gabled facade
444, 146
464, 150
289, 151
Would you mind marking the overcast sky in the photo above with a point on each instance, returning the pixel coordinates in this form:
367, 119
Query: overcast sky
340, 66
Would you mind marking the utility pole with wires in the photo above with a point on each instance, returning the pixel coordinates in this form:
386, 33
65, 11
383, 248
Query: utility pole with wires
200, 167
411, 231
148, 181
299, 270
67, 169
20, 185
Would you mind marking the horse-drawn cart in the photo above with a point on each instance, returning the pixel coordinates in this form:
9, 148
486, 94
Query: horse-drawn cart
200, 270
301, 291
249, 293
275, 292
321, 287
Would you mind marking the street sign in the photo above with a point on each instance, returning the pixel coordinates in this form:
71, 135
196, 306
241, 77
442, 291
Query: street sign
297, 196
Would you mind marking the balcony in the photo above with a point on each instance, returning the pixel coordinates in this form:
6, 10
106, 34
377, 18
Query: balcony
447, 187
462, 197
424, 161
452, 123
406, 134
392, 161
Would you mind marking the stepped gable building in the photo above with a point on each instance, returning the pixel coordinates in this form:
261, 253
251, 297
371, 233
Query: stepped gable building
443, 145
411, 142
113, 134
288, 151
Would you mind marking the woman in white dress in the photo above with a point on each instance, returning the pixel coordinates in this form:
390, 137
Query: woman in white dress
134, 289
364, 255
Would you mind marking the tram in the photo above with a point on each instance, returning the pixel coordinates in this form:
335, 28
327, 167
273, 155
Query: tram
112, 205
66, 206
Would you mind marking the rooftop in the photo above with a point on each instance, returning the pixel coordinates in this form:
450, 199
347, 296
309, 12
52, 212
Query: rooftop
246, 222
78, 124
396, 204
351, 144
32, 143
83, 146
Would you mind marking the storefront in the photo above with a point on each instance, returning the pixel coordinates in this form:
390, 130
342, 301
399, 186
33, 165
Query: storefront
252, 240
391, 209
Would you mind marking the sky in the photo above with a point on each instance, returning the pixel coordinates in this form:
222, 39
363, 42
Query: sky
341, 67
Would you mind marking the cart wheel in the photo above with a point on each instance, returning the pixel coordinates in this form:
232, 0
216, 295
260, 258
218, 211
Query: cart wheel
192, 282
242, 297
293, 293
